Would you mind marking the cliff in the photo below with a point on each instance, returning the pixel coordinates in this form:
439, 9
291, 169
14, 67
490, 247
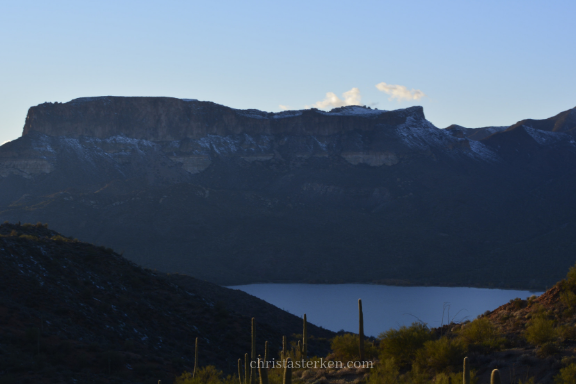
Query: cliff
166, 119
351, 195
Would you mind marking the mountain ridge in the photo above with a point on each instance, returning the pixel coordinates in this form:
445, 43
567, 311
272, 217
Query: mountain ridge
385, 197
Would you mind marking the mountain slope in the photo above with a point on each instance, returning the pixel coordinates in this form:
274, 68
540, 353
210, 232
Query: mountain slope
72, 310
351, 195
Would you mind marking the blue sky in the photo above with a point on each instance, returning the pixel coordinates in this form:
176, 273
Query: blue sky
477, 63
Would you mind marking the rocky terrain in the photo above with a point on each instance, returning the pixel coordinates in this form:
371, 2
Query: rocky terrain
74, 312
351, 195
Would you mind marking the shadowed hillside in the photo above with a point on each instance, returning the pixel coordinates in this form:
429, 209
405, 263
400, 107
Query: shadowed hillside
72, 310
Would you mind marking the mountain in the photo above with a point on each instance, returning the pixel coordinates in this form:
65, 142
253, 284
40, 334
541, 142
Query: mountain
74, 312
351, 195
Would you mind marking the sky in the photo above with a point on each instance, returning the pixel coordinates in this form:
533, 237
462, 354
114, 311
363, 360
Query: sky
472, 63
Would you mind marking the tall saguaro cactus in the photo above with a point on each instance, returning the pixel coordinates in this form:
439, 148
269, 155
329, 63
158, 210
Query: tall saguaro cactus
284, 350
466, 372
246, 366
305, 340
262, 372
495, 377
253, 354
266, 352
361, 330
240, 371
195, 358
287, 372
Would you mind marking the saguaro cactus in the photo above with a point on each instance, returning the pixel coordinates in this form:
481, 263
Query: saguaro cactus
246, 377
262, 372
495, 377
284, 350
466, 372
361, 330
305, 340
253, 354
287, 372
195, 358
240, 371
266, 352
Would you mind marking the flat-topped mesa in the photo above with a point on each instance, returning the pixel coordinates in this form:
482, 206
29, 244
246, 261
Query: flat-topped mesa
165, 119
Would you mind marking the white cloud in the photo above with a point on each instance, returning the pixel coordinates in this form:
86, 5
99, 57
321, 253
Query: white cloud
284, 107
351, 97
400, 92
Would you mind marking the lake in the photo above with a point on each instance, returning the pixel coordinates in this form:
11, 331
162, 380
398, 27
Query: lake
335, 306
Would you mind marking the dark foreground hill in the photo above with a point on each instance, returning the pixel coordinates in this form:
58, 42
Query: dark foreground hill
351, 195
75, 312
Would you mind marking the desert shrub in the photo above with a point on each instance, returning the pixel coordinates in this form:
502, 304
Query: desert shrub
29, 237
453, 377
345, 348
386, 372
540, 331
441, 354
206, 375
14, 233
404, 343
567, 332
518, 303
60, 238
548, 349
527, 381
482, 332
568, 298
567, 375
570, 281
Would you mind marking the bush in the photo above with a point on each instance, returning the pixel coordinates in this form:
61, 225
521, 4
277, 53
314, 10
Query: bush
454, 377
29, 237
548, 349
206, 375
541, 331
61, 238
567, 375
571, 279
441, 354
518, 303
482, 332
386, 372
569, 299
345, 348
404, 343
567, 332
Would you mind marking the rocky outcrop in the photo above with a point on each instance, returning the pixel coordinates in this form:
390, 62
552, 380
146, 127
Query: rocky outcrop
168, 119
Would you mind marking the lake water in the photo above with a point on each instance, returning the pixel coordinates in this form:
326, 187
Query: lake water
335, 307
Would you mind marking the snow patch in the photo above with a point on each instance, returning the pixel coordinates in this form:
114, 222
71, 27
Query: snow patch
253, 113
543, 137
354, 110
483, 151
285, 114
421, 134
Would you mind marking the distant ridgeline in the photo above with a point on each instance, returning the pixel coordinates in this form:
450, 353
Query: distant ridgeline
351, 195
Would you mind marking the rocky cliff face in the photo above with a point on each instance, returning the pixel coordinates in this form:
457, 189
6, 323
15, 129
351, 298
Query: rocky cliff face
168, 119
192, 133
354, 194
